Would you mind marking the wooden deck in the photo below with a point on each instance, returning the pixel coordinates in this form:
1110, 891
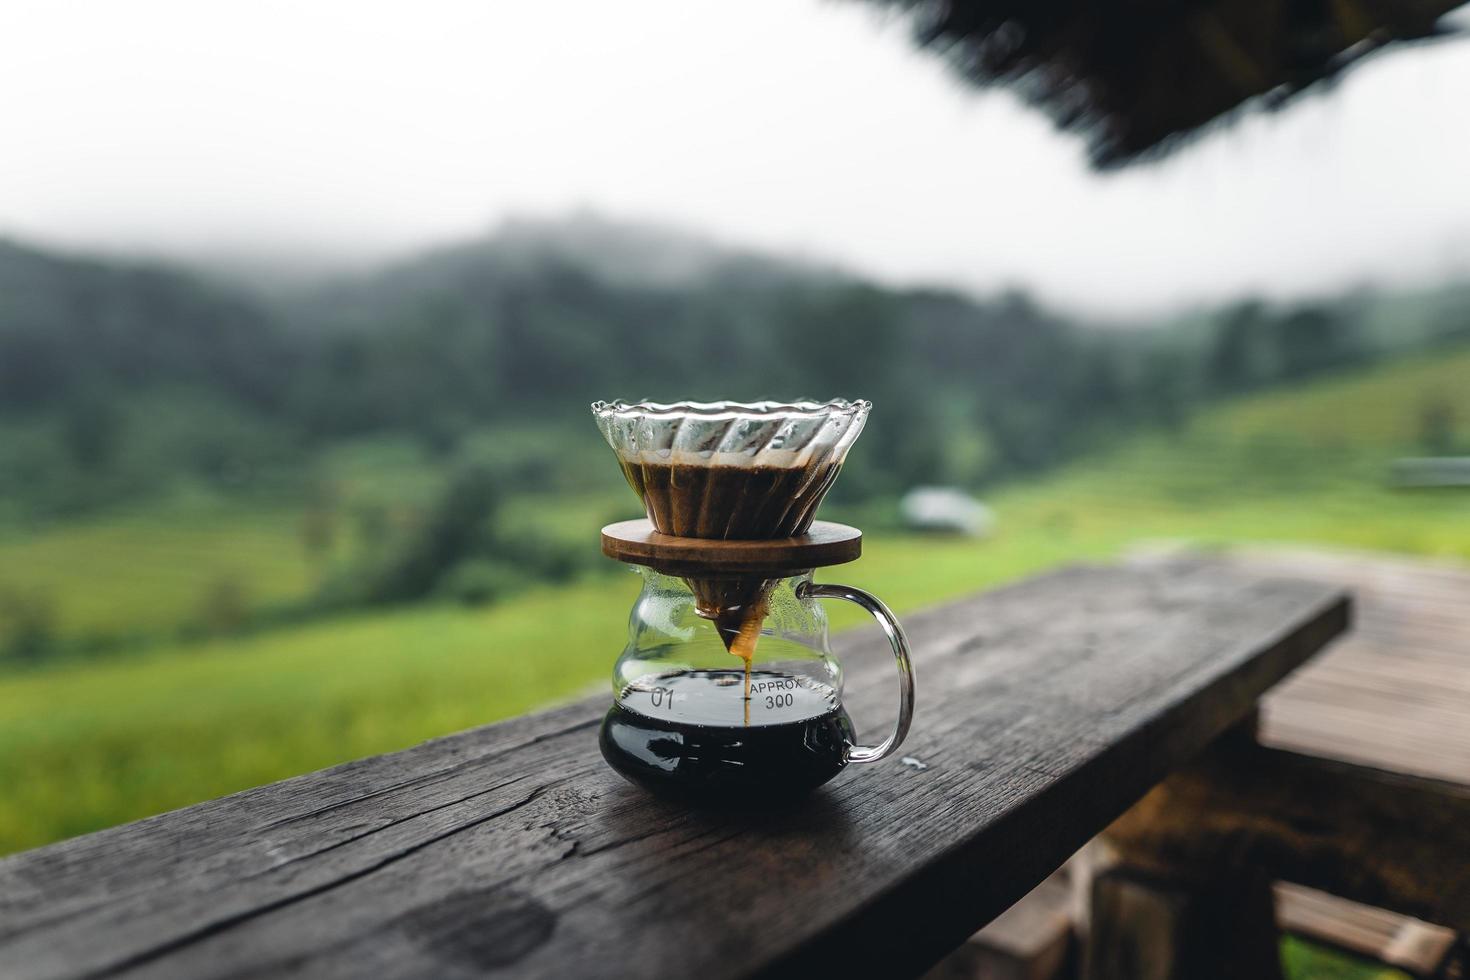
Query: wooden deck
1394, 693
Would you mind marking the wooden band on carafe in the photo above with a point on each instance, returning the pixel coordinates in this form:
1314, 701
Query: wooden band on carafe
825, 543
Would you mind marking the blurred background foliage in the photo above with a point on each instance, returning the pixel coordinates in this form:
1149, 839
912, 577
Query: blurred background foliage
246, 532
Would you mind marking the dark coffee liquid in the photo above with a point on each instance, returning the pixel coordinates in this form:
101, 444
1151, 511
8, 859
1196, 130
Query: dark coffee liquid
671, 752
731, 502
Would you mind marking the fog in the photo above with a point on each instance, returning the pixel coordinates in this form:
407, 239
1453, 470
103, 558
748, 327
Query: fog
331, 134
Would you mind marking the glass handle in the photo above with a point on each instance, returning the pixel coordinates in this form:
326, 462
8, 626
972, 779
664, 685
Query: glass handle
894, 632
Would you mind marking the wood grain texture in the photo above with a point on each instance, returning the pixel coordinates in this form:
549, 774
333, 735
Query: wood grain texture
1045, 709
824, 544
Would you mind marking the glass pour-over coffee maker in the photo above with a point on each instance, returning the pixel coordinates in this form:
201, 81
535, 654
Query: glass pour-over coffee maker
727, 690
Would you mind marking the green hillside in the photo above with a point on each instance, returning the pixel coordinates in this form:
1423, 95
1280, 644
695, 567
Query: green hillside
1365, 412
1308, 465
88, 744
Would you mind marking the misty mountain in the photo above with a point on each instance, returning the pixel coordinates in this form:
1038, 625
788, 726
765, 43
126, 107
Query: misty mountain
70, 325
619, 255
118, 376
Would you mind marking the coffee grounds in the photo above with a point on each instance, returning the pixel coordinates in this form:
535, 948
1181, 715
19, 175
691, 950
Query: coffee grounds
734, 503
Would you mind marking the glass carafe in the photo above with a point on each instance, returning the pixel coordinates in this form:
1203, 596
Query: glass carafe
692, 719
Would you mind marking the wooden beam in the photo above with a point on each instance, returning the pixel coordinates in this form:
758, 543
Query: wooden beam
1400, 941
1391, 841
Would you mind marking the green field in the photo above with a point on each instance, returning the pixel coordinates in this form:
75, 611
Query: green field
87, 744
150, 571
197, 560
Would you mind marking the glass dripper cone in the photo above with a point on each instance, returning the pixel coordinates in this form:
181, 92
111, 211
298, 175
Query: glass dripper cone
731, 470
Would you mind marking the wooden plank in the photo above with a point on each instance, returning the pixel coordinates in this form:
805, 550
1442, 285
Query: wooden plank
1376, 934
1046, 709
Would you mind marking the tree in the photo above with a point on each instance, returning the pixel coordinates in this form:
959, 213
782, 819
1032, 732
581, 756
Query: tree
1240, 357
457, 523
90, 430
27, 626
1437, 426
1313, 339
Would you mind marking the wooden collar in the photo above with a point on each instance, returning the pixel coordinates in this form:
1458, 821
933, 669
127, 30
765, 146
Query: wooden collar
825, 543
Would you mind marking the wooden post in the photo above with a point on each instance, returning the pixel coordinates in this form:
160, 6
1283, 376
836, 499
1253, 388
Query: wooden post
1147, 927
1189, 909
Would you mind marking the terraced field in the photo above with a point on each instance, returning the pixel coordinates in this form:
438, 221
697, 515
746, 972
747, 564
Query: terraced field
149, 572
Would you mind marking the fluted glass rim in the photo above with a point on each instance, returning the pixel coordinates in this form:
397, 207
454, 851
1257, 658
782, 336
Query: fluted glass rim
730, 409
732, 433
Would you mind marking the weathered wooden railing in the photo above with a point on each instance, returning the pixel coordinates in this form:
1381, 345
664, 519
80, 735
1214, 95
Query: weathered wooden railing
1046, 709
1355, 785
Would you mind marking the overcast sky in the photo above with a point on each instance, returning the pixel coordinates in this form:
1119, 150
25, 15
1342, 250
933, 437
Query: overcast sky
360, 129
